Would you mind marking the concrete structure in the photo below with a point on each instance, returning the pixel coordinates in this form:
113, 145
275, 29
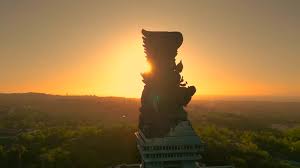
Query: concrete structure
181, 148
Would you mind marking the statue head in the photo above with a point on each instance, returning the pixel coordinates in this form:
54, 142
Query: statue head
160, 44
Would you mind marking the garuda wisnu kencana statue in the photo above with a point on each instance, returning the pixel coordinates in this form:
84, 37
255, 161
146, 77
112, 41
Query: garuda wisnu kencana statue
165, 92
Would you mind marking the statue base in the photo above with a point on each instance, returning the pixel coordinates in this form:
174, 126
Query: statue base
180, 148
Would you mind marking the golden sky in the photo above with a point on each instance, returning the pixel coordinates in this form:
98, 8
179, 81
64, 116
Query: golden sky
230, 47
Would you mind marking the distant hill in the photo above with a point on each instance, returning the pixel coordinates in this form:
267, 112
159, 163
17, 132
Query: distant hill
106, 109
117, 110
249, 98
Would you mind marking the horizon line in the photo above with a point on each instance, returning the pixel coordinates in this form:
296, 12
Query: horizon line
290, 98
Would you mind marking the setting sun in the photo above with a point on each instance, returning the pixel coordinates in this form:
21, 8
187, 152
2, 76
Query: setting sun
73, 52
148, 67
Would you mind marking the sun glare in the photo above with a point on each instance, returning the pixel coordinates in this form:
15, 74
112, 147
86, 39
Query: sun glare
147, 67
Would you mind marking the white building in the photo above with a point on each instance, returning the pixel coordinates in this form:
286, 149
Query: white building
181, 148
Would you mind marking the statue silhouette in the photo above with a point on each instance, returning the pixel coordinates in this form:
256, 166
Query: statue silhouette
165, 92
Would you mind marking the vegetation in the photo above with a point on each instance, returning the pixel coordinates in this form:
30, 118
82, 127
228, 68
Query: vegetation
38, 130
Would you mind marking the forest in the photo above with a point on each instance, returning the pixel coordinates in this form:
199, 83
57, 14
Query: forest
50, 131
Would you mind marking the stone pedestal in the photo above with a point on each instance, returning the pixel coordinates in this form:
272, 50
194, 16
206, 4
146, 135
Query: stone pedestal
180, 148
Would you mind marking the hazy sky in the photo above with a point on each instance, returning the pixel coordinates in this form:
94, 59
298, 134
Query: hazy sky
95, 47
